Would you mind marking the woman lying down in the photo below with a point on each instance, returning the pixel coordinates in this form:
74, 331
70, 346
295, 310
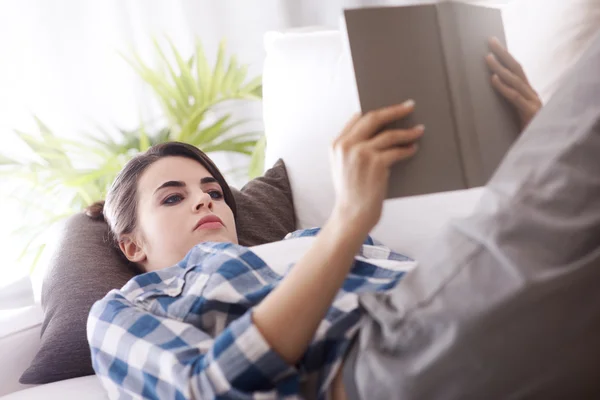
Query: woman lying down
208, 318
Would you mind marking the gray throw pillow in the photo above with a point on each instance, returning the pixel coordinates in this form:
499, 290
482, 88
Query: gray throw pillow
86, 266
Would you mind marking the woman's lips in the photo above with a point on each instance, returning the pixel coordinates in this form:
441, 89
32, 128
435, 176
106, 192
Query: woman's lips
211, 225
209, 221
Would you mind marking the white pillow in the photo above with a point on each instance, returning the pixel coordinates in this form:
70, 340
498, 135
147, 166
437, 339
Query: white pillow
309, 94
280, 255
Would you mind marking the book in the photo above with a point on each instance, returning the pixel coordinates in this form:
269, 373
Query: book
435, 55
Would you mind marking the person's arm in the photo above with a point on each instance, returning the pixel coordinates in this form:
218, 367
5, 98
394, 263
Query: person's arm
510, 81
137, 353
361, 161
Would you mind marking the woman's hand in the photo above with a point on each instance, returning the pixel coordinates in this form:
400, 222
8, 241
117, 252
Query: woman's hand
361, 160
510, 81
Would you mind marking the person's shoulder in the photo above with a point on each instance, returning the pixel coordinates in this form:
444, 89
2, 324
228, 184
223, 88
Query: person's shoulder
164, 278
140, 290
108, 307
168, 281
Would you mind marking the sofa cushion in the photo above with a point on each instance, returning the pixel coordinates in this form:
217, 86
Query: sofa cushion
85, 266
265, 207
87, 387
19, 341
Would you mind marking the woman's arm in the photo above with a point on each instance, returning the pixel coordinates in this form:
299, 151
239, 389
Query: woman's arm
290, 315
137, 353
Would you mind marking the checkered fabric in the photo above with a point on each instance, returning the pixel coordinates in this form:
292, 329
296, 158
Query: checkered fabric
186, 332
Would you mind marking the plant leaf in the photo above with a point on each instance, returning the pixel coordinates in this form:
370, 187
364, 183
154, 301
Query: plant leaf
232, 70
167, 95
87, 198
239, 78
36, 258
237, 144
8, 161
82, 178
186, 75
217, 75
189, 130
178, 82
53, 155
258, 92
251, 86
144, 140
213, 132
210, 133
257, 160
28, 244
36, 231
203, 73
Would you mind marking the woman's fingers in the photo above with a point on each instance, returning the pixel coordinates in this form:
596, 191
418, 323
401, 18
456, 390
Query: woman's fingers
510, 81
396, 137
350, 124
507, 59
512, 95
510, 78
392, 156
373, 121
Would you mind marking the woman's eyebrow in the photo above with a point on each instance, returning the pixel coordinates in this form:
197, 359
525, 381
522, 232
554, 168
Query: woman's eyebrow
203, 181
208, 179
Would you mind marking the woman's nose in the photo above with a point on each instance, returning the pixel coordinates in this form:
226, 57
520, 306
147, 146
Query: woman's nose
204, 199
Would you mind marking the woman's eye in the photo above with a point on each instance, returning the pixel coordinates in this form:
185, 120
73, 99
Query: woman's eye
215, 194
173, 199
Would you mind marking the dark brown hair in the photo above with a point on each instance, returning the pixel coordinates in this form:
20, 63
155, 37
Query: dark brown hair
120, 208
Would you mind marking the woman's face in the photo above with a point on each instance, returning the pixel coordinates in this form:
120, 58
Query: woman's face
174, 195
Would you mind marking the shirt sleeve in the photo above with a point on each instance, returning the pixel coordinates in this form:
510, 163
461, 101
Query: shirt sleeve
136, 353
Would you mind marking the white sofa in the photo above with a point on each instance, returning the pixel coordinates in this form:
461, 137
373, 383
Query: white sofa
309, 94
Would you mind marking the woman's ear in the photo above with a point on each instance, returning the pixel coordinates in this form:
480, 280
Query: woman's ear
132, 250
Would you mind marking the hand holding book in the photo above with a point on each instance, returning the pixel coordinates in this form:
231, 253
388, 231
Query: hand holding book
510, 81
435, 54
361, 158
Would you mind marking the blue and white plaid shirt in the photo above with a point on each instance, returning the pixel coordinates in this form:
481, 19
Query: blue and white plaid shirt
187, 332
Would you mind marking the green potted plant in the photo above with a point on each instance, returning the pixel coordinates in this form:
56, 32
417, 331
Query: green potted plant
67, 175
